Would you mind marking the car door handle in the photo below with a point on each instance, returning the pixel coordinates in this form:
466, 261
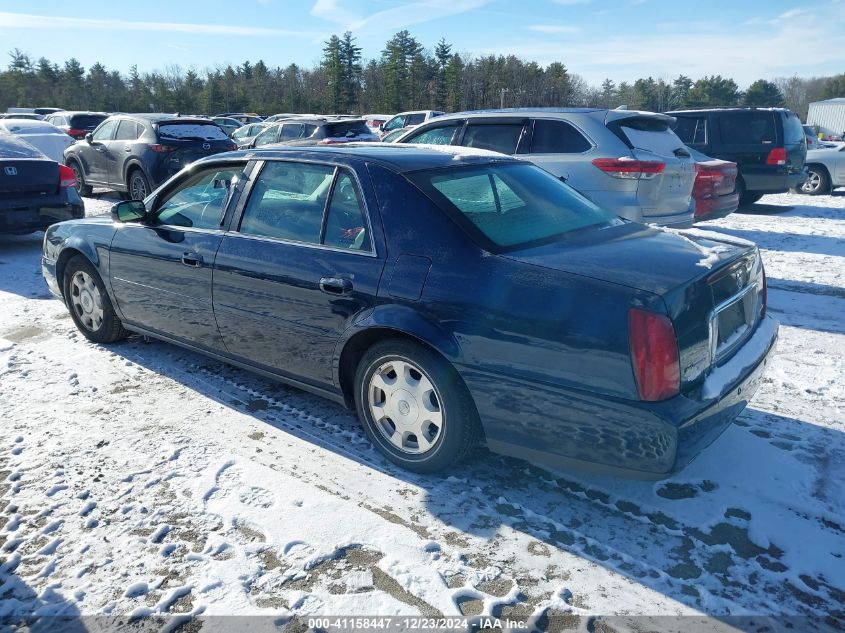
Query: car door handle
127, 149
192, 259
335, 285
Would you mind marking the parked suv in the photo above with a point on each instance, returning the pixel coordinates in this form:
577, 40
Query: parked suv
628, 162
76, 124
134, 153
767, 144
408, 119
315, 131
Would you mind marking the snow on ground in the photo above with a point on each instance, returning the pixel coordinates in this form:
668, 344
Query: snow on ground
143, 479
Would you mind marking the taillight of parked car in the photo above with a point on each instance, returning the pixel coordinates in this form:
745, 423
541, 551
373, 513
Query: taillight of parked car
76, 133
777, 156
654, 355
66, 177
231, 147
162, 149
630, 168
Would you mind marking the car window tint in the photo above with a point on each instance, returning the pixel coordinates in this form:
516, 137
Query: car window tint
287, 201
557, 137
394, 124
346, 224
291, 131
346, 129
692, 130
793, 132
267, 136
85, 120
126, 131
747, 128
436, 136
191, 130
308, 130
414, 119
498, 137
199, 202
104, 132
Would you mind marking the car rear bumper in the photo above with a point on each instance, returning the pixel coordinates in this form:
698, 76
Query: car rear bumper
25, 215
763, 180
569, 429
715, 208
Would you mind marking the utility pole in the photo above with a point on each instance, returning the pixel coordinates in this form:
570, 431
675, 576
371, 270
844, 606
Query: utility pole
502, 100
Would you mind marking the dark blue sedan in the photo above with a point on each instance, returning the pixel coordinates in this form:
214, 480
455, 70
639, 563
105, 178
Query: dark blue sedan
452, 298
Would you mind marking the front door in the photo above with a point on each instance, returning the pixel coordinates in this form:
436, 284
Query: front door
97, 153
302, 264
161, 269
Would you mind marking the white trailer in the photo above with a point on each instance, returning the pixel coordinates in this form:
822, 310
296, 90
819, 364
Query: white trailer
829, 116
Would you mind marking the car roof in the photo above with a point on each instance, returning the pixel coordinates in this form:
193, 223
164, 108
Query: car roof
728, 109
158, 117
398, 158
524, 111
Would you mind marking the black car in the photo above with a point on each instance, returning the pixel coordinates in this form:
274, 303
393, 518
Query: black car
134, 153
76, 124
35, 191
767, 144
316, 131
448, 295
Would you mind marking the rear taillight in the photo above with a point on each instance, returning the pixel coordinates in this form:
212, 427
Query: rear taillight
710, 175
764, 293
654, 355
162, 149
76, 133
777, 156
232, 147
630, 168
66, 177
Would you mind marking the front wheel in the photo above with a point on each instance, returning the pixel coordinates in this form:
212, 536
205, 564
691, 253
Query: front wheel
89, 303
817, 183
414, 406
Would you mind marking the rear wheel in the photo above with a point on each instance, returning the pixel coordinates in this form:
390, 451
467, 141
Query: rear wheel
137, 185
414, 406
818, 182
81, 188
745, 196
89, 304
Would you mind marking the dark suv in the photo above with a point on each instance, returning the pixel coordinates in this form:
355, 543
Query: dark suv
767, 144
134, 153
76, 124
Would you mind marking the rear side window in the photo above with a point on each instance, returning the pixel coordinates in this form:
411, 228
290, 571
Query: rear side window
104, 132
557, 137
192, 131
747, 128
346, 224
793, 132
692, 130
497, 137
127, 131
346, 128
436, 136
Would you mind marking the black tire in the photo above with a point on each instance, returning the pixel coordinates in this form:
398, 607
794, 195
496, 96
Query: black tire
81, 188
460, 431
137, 185
746, 197
110, 329
818, 182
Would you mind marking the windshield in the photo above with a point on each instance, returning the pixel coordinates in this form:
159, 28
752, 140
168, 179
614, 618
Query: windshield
510, 206
192, 131
87, 120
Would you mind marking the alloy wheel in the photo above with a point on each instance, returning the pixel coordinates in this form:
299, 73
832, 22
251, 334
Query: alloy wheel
814, 182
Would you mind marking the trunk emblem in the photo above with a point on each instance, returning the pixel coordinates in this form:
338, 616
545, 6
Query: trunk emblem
206, 145
11, 171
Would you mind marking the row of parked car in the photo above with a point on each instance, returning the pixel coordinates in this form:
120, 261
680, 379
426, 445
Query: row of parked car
667, 169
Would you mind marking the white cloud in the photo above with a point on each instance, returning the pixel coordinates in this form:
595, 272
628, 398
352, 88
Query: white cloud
554, 29
567, 3
397, 17
27, 21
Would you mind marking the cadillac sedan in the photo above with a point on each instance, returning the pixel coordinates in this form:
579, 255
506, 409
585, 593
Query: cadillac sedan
451, 296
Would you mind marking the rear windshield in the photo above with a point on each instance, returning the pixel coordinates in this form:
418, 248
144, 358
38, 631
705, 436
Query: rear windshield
510, 206
10, 147
344, 128
747, 128
652, 135
87, 120
192, 131
793, 132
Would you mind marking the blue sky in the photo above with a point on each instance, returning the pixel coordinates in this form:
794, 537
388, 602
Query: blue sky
623, 40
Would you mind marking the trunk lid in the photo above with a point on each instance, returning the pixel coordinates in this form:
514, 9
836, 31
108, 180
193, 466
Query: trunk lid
187, 141
25, 170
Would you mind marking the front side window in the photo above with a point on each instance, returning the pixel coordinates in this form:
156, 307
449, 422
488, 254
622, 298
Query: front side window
104, 132
510, 206
394, 124
498, 137
287, 202
267, 136
199, 202
436, 136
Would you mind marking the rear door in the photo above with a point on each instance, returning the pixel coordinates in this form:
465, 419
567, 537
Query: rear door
664, 195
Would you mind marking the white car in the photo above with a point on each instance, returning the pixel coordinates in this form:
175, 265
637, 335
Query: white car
375, 121
47, 138
408, 119
826, 167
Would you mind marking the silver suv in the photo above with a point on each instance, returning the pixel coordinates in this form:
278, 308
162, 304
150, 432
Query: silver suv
628, 162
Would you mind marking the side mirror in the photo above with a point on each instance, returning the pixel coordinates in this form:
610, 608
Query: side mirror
89, 137
128, 211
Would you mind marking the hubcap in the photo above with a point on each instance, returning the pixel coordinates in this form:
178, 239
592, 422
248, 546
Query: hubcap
814, 181
405, 406
86, 301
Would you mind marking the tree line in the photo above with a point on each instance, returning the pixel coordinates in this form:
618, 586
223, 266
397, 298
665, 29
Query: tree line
405, 76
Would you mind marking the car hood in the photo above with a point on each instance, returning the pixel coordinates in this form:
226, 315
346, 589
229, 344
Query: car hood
638, 256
